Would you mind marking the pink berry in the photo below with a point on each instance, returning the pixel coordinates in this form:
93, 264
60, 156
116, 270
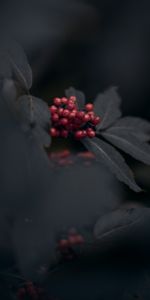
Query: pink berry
70, 105
84, 133
64, 121
60, 111
55, 117
64, 153
63, 243
92, 117
64, 100
64, 133
72, 240
79, 134
91, 113
86, 118
80, 114
96, 121
53, 132
65, 113
91, 133
72, 115
53, 109
89, 107
57, 101
73, 99
79, 239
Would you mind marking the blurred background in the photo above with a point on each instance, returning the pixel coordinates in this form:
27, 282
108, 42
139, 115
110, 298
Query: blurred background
91, 45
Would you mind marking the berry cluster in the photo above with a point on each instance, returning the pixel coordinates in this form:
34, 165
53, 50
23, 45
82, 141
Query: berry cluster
65, 158
29, 291
67, 119
66, 245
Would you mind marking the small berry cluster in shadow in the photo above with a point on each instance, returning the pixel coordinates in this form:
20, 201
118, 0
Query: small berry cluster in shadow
68, 119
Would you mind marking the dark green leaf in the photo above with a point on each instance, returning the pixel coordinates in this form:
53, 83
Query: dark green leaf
34, 114
33, 110
41, 135
118, 221
136, 126
14, 64
112, 158
129, 144
107, 106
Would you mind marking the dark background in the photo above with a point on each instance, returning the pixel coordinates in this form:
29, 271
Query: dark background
90, 45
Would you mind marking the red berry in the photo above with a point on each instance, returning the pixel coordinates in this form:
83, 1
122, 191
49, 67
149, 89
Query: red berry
91, 113
96, 121
86, 118
92, 117
74, 111
64, 133
55, 117
89, 107
86, 154
60, 111
91, 133
84, 133
53, 132
71, 105
64, 153
57, 101
64, 100
73, 99
66, 113
80, 114
72, 240
79, 239
89, 129
64, 121
72, 114
79, 134
63, 244
53, 109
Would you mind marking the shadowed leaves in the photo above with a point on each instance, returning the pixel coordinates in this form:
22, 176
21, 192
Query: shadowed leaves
14, 65
106, 154
118, 220
129, 144
34, 114
107, 106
